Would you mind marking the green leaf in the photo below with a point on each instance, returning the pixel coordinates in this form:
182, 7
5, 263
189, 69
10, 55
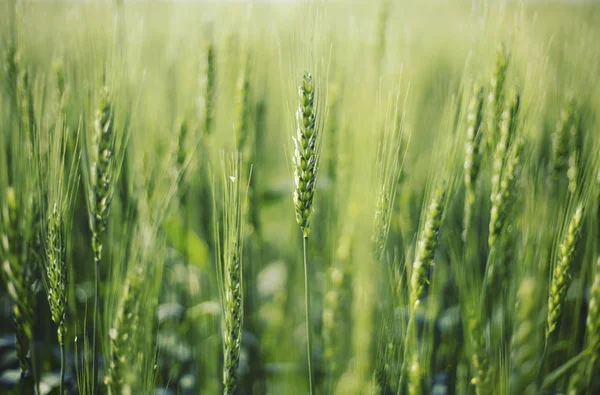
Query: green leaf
179, 238
552, 377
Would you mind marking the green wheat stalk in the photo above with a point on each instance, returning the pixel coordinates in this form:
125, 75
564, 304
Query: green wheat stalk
230, 268
58, 167
306, 158
102, 181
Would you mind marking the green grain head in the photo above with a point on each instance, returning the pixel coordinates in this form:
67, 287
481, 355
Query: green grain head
56, 272
561, 275
503, 200
426, 245
479, 353
388, 168
11, 71
209, 90
507, 131
526, 341
473, 154
496, 95
103, 170
561, 141
122, 338
306, 153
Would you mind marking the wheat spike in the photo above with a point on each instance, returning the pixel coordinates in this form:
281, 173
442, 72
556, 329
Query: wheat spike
306, 153
472, 154
561, 276
496, 95
526, 340
426, 245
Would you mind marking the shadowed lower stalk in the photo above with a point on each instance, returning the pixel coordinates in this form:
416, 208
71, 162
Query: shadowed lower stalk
306, 154
17, 275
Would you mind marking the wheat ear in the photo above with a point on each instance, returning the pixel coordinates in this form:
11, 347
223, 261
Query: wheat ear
496, 95
122, 338
472, 154
209, 89
479, 356
561, 275
502, 201
426, 245
526, 340
560, 141
56, 273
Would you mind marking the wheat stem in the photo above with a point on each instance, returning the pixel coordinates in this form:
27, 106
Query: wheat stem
62, 368
95, 326
308, 320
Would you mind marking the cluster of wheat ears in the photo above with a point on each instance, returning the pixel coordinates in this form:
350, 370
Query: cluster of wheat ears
479, 274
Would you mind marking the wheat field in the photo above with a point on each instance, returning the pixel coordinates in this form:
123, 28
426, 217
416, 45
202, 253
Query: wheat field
299, 197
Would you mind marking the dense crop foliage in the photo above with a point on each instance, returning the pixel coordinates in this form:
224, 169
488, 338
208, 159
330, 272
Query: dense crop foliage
284, 198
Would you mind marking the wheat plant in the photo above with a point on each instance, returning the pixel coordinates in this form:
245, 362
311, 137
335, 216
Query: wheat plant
306, 165
230, 267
